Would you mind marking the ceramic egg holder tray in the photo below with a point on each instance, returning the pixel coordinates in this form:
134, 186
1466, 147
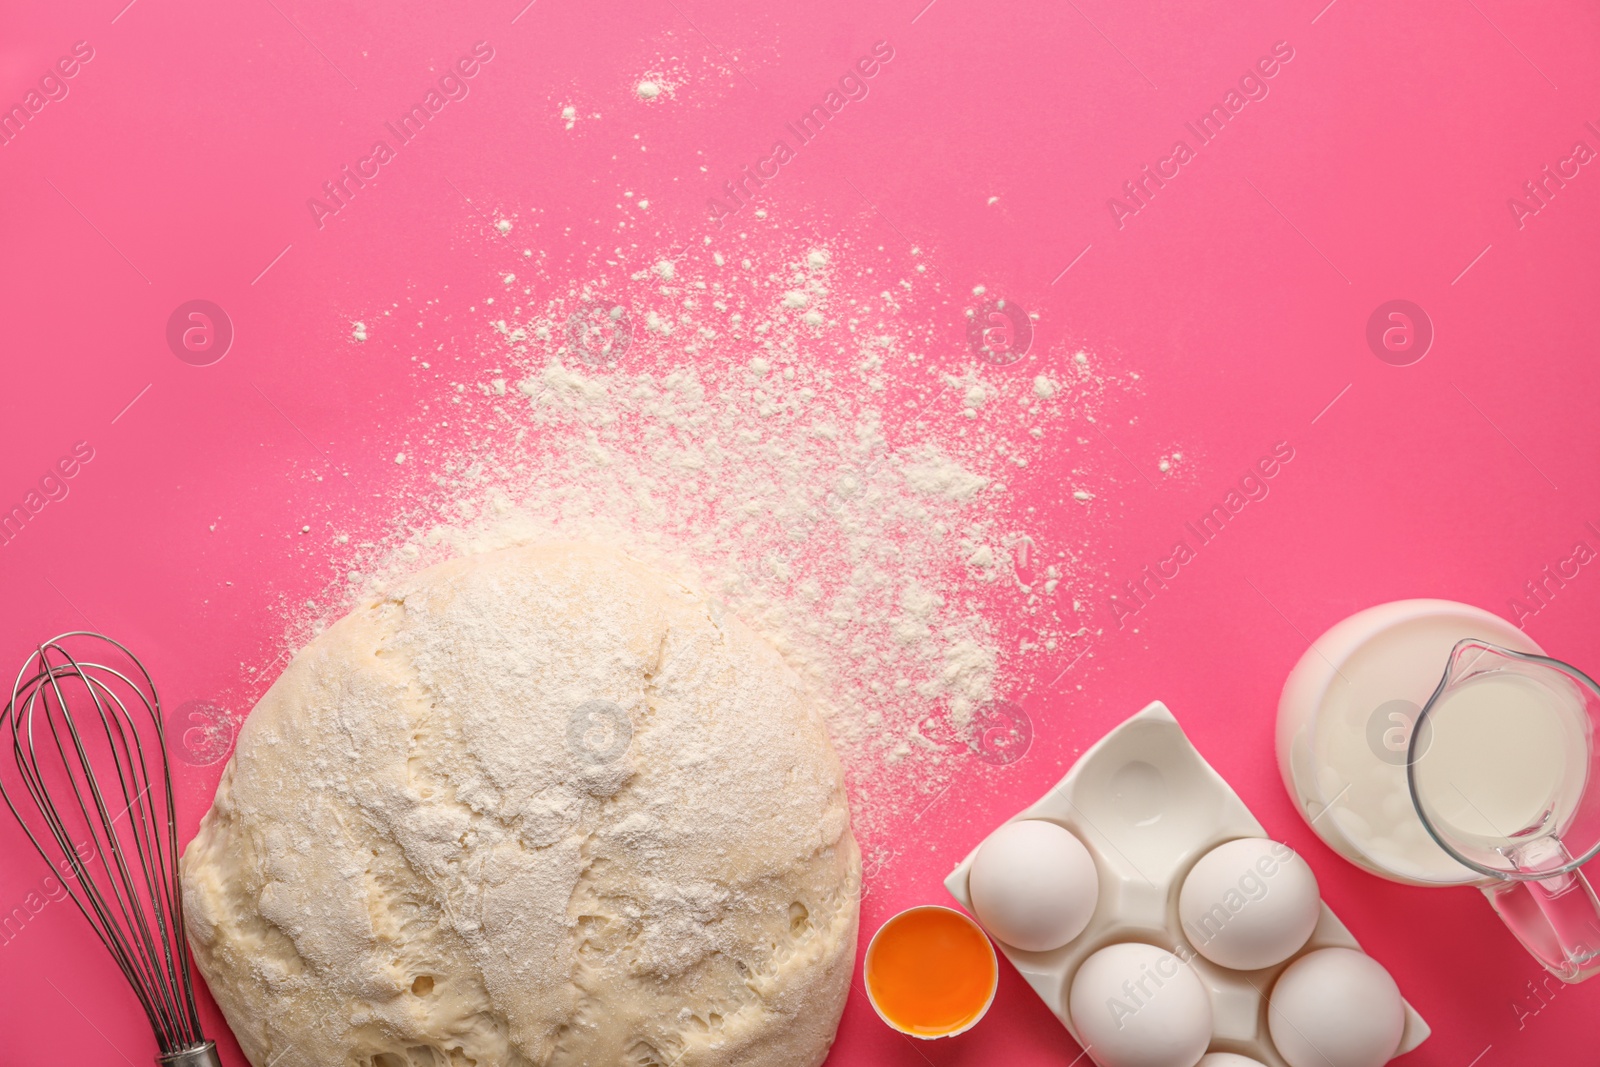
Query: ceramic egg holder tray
1148, 807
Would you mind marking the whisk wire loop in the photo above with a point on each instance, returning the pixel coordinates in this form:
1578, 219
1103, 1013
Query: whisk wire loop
77, 731
138, 948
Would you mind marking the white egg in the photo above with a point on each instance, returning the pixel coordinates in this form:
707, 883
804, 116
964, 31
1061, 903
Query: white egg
1227, 1059
1249, 904
1136, 1005
1033, 885
1336, 1007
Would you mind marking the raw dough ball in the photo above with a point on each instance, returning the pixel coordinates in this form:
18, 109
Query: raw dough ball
539, 807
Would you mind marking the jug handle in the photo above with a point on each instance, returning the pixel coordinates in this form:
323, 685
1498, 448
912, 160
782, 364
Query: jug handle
1557, 919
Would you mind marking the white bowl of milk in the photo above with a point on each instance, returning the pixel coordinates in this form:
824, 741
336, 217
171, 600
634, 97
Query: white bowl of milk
1431, 743
1344, 730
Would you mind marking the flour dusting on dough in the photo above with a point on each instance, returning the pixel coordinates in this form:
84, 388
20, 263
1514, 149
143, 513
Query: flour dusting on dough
778, 435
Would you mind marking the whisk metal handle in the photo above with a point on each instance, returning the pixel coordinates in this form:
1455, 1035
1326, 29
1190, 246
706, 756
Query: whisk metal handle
201, 1055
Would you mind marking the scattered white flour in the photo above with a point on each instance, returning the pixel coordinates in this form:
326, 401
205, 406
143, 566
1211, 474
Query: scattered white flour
647, 89
503, 225
828, 484
569, 114
358, 331
932, 473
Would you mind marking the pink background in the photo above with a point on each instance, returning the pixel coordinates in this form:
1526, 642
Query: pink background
1378, 167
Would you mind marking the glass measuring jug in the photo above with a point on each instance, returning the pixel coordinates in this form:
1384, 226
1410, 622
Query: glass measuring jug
1502, 768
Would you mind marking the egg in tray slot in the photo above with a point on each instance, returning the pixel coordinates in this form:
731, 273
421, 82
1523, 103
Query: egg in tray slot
1146, 906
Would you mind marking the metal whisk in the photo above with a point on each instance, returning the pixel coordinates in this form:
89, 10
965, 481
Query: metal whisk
88, 744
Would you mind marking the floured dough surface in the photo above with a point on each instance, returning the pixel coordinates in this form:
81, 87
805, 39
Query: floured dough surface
542, 806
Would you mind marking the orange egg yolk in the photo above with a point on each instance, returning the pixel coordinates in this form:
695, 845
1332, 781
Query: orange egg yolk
931, 972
